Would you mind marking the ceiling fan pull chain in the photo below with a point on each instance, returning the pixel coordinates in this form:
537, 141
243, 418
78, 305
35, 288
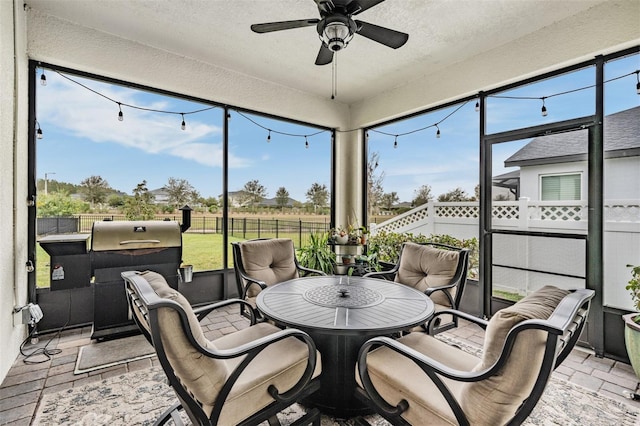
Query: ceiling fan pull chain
334, 76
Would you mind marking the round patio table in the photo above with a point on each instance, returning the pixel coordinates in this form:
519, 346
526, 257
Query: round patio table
340, 313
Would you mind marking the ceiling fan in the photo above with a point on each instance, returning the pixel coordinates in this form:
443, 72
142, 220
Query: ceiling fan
336, 28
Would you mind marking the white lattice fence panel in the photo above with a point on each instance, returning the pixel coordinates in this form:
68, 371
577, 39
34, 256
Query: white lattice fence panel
505, 212
561, 213
622, 212
458, 211
404, 221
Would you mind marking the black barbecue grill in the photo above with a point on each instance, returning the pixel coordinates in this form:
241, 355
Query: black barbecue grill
128, 245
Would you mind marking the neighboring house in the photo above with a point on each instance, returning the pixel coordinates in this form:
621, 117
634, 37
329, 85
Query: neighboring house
554, 167
160, 196
238, 199
273, 202
506, 185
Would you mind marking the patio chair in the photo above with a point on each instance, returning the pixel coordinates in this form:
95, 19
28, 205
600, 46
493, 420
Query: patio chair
438, 270
263, 262
419, 379
242, 378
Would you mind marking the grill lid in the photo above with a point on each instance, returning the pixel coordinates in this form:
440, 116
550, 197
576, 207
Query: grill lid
127, 235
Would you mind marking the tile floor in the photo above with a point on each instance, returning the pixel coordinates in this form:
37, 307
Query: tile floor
25, 384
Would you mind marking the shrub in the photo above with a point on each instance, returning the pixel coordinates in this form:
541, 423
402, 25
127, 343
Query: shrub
387, 246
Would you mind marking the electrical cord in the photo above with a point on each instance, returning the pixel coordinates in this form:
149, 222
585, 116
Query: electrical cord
44, 351
47, 353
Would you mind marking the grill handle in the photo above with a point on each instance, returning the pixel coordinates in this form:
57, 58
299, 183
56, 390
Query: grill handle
139, 241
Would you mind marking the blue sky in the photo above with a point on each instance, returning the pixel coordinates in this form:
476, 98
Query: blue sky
83, 137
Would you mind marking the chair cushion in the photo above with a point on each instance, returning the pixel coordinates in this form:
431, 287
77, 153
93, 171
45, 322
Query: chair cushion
423, 267
495, 400
271, 261
281, 364
396, 377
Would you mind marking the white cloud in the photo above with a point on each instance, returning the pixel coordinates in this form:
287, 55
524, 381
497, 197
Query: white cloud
86, 114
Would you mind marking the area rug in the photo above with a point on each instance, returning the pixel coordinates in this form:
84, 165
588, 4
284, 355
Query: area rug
137, 398
108, 353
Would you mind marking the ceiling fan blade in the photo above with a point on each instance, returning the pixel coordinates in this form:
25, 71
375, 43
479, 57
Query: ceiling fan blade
325, 55
359, 6
324, 6
284, 25
386, 36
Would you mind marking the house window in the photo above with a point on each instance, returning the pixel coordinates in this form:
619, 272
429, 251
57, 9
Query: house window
560, 187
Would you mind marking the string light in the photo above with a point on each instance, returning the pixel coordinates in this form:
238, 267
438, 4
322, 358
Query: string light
306, 142
43, 81
38, 131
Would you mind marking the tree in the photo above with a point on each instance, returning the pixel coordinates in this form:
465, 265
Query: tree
95, 189
374, 184
254, 192
318, 195
282, 197
388, 200
422, 195
180, 192
457, 194
140, 206
60, 203
115, 201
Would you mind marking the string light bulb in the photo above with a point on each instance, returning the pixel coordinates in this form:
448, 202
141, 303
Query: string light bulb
39, 134
438, 132
43, 79
544, 109
183, 126
477, 106
228, 116
638, 84
395, 143
306, 143
120, 114
269, 136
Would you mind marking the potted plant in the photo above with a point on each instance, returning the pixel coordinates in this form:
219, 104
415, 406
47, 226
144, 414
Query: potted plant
339, 236
632, 321
317, 254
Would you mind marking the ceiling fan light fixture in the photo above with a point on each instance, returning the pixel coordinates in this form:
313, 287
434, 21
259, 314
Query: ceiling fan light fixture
336, 32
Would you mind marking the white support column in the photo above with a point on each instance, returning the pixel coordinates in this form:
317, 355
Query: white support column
349, 190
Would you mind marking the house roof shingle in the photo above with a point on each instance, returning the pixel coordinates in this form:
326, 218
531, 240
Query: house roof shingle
621, 139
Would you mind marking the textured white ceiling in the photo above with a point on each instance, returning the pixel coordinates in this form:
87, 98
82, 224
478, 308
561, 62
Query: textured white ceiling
441, 33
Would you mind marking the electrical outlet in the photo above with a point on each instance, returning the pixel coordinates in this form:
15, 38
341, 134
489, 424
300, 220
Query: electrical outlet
23, 316
28, 314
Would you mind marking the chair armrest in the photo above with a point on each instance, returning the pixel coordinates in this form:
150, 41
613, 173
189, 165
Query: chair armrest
309, 270
250, 282
385, 275
471, 318
203, 311
427, 363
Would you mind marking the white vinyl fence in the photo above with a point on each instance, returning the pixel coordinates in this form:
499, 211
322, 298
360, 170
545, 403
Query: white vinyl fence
512, 253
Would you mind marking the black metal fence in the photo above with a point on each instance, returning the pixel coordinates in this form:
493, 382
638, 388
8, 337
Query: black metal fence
240, 227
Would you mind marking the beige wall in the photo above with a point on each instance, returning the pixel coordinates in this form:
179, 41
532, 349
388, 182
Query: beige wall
13, 184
